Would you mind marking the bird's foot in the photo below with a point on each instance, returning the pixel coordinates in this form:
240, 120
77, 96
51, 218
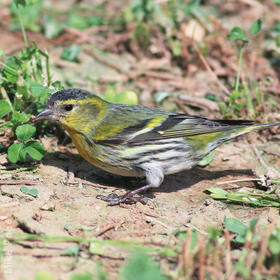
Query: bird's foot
114, 199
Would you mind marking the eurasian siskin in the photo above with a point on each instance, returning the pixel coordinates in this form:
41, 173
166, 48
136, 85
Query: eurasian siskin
137, 140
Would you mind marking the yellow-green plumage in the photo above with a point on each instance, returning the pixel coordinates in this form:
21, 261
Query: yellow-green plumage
137, 140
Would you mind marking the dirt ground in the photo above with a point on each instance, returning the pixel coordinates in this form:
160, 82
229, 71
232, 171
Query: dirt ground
67, 185
66, 205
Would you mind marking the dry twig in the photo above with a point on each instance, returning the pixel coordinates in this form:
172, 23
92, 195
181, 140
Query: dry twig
205, 63
17, 182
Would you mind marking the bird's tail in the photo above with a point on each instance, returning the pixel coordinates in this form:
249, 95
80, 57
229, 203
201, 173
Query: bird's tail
234, 132
208, 142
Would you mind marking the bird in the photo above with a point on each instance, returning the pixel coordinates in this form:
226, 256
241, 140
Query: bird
138, 141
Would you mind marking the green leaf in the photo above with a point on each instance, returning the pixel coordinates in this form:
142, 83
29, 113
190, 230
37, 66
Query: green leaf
141, 266
217, 193
238, 106
25, 132
94, 21
223, 107
30, 12
19, 118
67, 227
237, 34
77, 21
37, 89
277, 2
236, 94
35, 149
126, 97
43, 275
100, 273
52, 28
22, 155
274, 245
32, 192
160, 96
5, 108
36, 145
256, 27
206, 160
71, 53
86, 276
181, 235
70, 228
96, 248
176, 47
14, 152
110, 94
242, 268
57, 85
72, 250
20, 2
235, 226
214, 233
276, 27
10, 71
253, 223
211, 96
22, 91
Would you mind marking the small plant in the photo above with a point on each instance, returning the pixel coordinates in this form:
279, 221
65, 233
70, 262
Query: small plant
235, 102
141, 266
32, 192
243, 232
164, 17
81, 22
71, 53
274, 245
260, 199
18, 150
26, 13
182, 257
25, 85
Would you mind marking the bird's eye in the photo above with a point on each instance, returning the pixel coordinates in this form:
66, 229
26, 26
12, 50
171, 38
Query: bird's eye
68, 107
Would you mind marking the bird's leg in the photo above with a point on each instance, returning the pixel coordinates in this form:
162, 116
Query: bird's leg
154, 176
114, 199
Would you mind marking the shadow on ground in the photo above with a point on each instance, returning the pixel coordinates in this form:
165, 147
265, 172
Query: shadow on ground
82, 169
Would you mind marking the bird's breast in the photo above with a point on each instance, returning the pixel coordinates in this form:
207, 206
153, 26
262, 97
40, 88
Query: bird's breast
104, 157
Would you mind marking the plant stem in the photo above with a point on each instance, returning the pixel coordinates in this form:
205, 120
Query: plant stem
8, 67
22, 169
250, 104
22, 28
239, 69
18, 237
5, 96
276, 181
47, 66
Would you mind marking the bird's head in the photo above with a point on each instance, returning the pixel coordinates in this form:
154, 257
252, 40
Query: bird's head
75, 109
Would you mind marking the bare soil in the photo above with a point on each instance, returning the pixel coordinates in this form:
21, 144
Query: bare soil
66, 204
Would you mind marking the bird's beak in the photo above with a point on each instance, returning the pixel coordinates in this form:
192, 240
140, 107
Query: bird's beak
47, 115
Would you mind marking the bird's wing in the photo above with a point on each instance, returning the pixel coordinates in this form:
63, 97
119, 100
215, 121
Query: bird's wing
171, 126
184, 125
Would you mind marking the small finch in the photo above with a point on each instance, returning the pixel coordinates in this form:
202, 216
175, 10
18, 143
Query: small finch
134, 140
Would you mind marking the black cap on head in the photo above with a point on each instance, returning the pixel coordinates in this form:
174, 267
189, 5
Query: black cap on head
65, 94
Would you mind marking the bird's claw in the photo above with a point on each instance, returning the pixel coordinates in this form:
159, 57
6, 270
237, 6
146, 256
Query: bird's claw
114, 199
